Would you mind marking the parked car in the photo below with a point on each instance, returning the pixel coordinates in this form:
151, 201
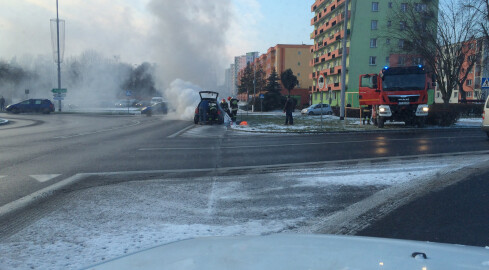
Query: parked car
203, 112
124, 103
142, 104
155, 108
316, 109
485, 117
32, 105
157, 100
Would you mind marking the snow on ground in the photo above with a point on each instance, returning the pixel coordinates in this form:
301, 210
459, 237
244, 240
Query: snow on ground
96, 224
476, 122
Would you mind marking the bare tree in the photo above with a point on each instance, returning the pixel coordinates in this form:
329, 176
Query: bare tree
446, 46
482, 9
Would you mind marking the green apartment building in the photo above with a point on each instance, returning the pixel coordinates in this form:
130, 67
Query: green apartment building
369, 46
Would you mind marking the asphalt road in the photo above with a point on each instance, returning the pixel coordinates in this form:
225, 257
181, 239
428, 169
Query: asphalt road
457, 214
41, 150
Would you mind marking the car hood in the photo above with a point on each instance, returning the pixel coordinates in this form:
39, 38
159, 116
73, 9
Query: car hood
292, 251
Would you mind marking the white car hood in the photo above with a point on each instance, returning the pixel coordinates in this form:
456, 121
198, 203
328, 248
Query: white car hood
292, 251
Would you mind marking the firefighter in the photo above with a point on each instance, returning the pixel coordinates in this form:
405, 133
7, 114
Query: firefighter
234, 108
367, 113
213, 112
225, 107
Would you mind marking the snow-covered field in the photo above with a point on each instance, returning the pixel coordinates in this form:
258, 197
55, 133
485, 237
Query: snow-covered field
103, 222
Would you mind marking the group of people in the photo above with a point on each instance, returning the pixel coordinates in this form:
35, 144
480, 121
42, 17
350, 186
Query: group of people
233, 104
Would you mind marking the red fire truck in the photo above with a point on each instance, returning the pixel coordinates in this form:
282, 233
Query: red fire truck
397, 94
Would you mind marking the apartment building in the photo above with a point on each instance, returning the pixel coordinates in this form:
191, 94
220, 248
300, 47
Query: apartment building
368, 47
284, 56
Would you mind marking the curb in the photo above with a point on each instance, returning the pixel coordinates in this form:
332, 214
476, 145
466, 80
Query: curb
397, 130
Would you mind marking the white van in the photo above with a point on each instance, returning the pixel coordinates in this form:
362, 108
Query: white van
485, 117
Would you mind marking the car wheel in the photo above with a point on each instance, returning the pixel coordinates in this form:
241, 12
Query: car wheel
310, 113
330, 113
487, 134
421, 121
15, 111
46, 111
380, 122
196, 119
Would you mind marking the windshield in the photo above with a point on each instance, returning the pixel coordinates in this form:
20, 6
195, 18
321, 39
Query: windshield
128, 125
404, 82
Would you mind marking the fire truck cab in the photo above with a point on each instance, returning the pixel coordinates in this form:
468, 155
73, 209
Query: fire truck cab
397, 94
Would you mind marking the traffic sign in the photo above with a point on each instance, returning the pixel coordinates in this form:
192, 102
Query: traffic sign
59, 95
321, 82
262, 96
58, 98
485, 83
62, 90
128, 93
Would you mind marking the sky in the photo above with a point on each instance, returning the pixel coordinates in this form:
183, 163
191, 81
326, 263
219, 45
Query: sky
135, 30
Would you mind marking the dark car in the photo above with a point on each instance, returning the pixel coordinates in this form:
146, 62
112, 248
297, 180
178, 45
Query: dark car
32, 105
155, 108
209, 111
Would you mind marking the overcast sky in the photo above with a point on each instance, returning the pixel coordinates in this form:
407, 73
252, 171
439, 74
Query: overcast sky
133, 29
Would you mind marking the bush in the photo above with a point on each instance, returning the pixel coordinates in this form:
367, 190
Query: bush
447, 115
349, 112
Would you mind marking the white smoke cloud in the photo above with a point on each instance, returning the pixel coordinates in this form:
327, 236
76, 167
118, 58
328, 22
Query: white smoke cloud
189, 40
183, 98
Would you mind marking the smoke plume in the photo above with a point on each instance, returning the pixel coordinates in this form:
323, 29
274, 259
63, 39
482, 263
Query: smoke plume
189, 39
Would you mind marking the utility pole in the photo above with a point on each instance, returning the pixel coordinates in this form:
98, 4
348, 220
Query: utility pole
254, 86
343, 63
59, 58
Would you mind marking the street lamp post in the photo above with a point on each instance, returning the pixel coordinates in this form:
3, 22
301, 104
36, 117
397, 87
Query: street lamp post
59, 59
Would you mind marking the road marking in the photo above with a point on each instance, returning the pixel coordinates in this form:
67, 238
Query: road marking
44, 177
180, 132
293, 144
135, 123
2, 176
50, 190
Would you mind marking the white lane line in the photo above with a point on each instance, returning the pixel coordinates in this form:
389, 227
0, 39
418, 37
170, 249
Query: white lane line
180, 132
2, 176
44, 177
135, 123
291, 144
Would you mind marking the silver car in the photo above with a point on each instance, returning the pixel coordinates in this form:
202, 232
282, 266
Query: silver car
316, 109
485, 118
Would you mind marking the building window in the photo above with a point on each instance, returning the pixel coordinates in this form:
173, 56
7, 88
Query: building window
390, 4
420, 7
299, 52
469, 94
403, 7
373, 60
469, 82
387, 60
389, 23
388, 41
401, 61
438, 94
417, 61
401, 43
455, 94
298, 74
298, 63
373, 43
375, 6
373, 25
402, 26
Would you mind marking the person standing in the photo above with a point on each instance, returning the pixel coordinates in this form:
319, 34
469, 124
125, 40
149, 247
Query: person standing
225, 106
367, 114
234, 108
288, 110
2, 104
